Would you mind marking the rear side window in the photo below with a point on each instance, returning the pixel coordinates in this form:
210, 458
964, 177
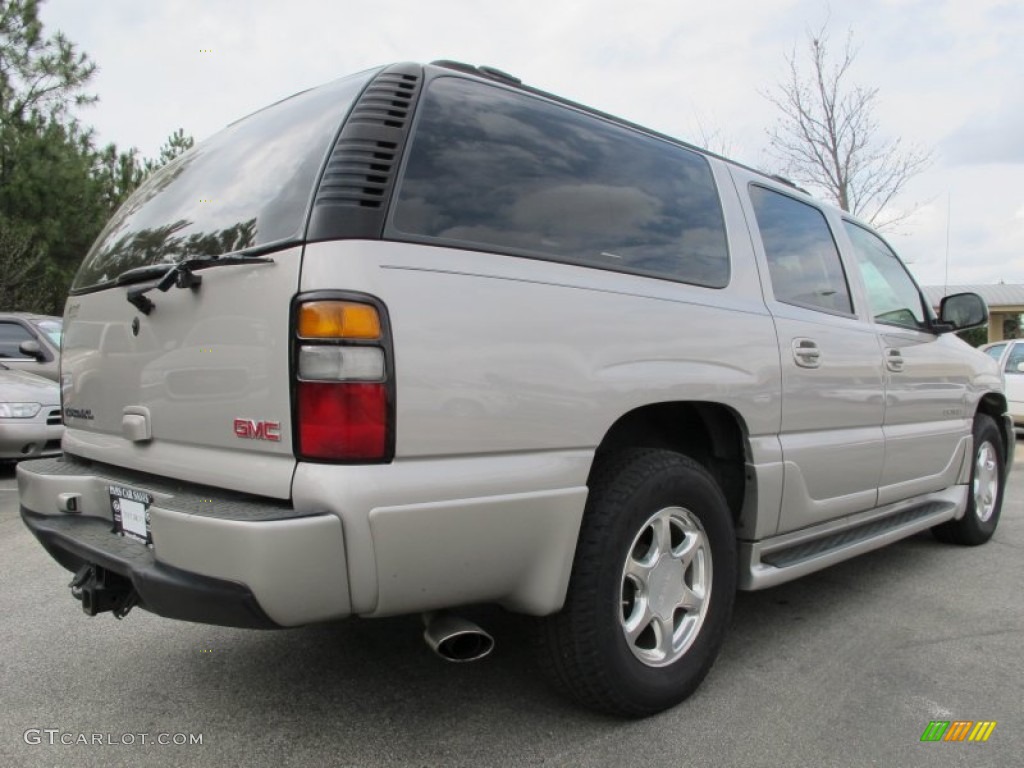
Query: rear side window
249, 185
803, 260
495, 170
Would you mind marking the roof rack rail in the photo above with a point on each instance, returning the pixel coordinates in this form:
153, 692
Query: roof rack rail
790, 183
499, 74
492, 73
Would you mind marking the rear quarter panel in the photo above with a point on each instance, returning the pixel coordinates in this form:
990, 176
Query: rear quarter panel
503, 354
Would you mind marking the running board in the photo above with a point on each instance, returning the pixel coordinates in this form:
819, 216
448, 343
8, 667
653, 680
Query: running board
779, 559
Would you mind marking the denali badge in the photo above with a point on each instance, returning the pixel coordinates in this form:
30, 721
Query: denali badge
258, 430
78, 413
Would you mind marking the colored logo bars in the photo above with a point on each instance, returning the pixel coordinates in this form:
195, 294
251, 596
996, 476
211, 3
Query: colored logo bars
958, 730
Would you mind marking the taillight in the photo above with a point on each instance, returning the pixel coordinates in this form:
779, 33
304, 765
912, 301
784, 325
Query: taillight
343, 394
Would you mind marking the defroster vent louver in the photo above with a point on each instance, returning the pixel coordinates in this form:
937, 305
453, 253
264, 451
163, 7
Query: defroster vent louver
352, 198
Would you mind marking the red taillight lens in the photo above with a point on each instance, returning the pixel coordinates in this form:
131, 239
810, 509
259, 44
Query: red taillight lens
344, 421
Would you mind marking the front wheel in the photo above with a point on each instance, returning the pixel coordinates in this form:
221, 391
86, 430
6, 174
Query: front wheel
986, 490
652, 586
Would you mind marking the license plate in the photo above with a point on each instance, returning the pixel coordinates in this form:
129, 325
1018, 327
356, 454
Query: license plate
131, 512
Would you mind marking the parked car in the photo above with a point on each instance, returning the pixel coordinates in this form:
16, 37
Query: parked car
31, 343
1010, 356
30, 420
443, 339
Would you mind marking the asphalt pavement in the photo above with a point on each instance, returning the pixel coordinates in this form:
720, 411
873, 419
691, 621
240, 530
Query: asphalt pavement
845, 667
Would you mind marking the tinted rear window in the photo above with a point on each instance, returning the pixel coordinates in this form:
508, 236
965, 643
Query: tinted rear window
495, 170
247, 186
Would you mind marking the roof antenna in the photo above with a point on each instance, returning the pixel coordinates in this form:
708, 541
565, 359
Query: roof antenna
949, 200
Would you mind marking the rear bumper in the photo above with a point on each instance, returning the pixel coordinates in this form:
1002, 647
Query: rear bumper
370, 540
217, 557
162, 589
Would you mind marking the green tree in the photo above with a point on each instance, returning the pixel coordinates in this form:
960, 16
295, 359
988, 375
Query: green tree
57, 189
47, 196
44, 75
49, 186
118, 175
178, 143
20, 265
975, 336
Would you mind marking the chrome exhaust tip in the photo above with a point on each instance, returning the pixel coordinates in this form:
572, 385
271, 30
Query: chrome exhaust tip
454, 638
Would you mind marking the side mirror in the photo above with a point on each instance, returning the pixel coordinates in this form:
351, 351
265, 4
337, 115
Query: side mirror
962, 311
31, 348
1020, 367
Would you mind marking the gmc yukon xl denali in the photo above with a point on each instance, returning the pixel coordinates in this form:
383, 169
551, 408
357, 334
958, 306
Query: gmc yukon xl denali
425, 337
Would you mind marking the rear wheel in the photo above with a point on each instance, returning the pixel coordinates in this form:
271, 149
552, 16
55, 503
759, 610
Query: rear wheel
652, 586
985, 499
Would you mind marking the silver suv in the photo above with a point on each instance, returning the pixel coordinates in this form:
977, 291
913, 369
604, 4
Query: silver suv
425, 337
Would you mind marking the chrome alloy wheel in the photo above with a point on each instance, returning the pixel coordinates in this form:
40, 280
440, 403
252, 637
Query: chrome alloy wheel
986, 481
666, 586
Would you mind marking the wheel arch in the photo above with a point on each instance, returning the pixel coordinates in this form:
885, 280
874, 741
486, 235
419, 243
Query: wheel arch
994, 404
712, 434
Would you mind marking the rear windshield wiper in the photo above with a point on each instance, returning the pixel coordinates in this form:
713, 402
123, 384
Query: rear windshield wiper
180, 275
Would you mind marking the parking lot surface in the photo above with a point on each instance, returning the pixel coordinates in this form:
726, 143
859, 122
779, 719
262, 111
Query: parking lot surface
846, 667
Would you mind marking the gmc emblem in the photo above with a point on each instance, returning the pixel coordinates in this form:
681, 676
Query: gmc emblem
258, 430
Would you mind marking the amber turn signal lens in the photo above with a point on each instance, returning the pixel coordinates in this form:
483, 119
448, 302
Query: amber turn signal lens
338, 320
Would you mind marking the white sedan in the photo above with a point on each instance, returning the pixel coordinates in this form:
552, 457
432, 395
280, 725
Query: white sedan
30, 418
1010, 356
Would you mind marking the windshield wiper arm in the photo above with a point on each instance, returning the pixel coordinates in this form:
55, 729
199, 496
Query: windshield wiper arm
181, 275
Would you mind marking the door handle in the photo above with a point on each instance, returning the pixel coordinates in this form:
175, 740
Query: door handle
806, 353
894, 360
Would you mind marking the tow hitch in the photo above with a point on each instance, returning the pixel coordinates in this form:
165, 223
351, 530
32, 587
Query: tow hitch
100, 590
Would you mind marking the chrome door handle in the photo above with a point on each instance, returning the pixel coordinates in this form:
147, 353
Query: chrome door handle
806, 353
894, 360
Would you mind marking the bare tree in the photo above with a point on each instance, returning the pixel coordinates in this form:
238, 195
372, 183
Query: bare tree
827, 137
713, 139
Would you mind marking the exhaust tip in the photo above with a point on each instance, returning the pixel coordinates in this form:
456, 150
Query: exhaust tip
456, 639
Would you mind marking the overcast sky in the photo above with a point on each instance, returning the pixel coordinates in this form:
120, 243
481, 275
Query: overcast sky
950, 74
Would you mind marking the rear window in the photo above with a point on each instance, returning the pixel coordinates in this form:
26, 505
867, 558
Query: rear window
247, 186
495, 170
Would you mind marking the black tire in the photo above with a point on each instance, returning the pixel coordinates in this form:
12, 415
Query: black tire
584, 647
983, 506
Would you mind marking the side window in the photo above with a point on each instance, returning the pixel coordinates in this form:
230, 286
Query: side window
892, 294
1015, 358
803, 260
495, 170
11, 336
